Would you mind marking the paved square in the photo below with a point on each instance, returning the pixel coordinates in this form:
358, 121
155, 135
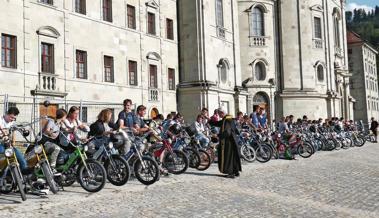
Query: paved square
341, 183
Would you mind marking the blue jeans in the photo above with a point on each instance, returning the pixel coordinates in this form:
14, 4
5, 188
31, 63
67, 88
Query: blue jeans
204, 141
20, 157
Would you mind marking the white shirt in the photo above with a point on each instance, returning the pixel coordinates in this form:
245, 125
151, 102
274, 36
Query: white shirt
4, 124
199, 127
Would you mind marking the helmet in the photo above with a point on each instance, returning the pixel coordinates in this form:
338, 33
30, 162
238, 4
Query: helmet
118, 140
175, 129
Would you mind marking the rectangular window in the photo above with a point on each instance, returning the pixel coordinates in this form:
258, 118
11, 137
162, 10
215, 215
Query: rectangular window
153, 76
80, 6
8, 51
170, 29
219, 13
49, 2
84, 113
81, 64
47, 58
131, 10
318, 32
107, 10
133, 73
151, 23
171, 79
108, 69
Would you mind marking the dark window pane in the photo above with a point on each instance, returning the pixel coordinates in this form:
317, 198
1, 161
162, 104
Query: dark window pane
47, 58
153, 76
170, 29
131, 17
171, 79
107, 10
108, 69
8, 51
151, 23
81, 64
133, 73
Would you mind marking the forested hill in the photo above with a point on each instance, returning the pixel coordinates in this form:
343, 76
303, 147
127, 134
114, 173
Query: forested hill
365, 23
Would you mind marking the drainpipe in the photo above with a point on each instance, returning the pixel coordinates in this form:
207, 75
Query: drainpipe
236, 107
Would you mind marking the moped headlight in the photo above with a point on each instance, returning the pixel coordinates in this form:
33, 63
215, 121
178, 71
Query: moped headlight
38, 149
9, 152
144, 141
85, 148
110, 145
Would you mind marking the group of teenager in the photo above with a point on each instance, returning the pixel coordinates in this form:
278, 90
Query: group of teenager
63, 129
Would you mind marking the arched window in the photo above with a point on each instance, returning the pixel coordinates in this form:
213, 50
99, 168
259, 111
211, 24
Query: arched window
223, 67
257, 22
320, 73
260, 71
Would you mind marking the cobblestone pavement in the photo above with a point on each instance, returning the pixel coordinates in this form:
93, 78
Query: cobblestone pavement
341, 183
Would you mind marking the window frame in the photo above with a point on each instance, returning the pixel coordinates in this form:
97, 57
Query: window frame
257, 25
12, 50
263, 72
50, 58
133, 82
131, 18
151, 23
48, 2
106, 67
78, 53
169, 29
219, 12
322, 78
317, 26
107, 11
153, 72
81, 6
171, 78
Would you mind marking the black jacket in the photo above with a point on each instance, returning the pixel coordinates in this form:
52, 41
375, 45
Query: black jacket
97, 128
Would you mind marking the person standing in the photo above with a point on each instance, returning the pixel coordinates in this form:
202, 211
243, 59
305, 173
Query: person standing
374, 128
215, 117
229, 161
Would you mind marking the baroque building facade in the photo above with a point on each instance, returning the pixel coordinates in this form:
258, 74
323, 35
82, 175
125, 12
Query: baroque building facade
364, 82
290, 56
94, 52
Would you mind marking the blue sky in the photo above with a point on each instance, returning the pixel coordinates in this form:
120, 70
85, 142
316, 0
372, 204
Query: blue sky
365, 4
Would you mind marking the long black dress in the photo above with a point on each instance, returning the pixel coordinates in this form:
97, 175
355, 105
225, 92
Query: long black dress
229, 161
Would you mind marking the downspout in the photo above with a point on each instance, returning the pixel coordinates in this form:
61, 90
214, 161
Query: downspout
326, 45
278, 59
24, 43
236, 107
328, 51
179, 54
300, 46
